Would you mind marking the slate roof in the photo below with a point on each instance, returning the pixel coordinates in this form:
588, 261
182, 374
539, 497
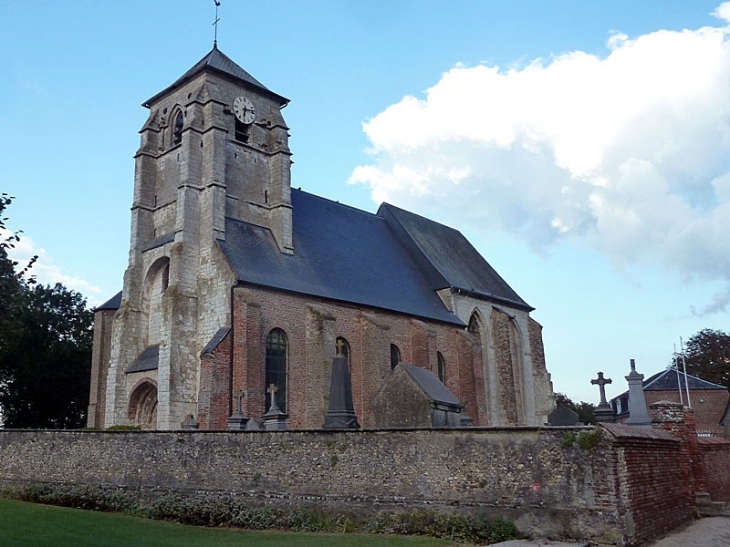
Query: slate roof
448, 257
666, 380
147, 360
340, 253
431, 385
217, 61
393, 260
112, 304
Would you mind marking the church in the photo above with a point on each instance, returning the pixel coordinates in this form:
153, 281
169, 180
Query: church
241, 290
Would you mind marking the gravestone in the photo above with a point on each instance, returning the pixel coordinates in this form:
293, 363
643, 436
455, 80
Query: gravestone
341, 412
237, 421
604, 412
189, 422
275, 418
638, 413
563, 416
414, 397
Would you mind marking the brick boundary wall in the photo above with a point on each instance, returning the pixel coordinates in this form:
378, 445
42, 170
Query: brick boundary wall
618, 491
650, 495
715, 453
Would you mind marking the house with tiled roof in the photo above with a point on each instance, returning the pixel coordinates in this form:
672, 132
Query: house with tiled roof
710, 402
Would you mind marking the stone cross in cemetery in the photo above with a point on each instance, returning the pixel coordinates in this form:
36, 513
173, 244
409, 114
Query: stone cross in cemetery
271, 390
237, 421
275, 418
603, 412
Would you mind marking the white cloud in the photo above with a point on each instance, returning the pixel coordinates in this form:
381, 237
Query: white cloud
627, 153
46, 272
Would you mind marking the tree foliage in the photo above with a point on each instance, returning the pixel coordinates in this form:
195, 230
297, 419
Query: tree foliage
45, 347
707, 356
585, 411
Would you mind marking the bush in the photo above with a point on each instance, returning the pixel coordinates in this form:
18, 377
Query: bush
214, 510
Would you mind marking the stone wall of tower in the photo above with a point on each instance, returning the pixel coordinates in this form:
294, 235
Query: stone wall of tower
186, 183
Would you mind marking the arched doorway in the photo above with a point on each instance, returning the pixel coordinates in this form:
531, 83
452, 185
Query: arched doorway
143, 405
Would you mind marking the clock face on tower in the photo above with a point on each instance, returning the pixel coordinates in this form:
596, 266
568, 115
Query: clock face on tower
244, 110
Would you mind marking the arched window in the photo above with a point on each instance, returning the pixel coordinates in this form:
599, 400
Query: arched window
441, 367
474, 328
394, 356
177, 128
343, 348
276, 354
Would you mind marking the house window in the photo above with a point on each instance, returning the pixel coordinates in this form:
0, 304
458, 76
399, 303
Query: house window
394, 356
276, 356
177, 128
441, 367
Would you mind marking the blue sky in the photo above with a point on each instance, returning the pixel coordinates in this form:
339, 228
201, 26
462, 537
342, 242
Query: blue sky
583, 147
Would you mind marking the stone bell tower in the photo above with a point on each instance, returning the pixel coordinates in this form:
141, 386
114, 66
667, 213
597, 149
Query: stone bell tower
215, 145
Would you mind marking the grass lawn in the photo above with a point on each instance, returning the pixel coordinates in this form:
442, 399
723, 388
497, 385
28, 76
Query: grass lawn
31, 525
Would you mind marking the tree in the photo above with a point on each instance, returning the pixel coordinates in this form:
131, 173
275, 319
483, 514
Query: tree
585, 411
707, 356
45, 346
46, 364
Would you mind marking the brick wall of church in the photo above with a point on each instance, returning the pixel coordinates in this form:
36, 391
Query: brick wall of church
213, 399
312, 328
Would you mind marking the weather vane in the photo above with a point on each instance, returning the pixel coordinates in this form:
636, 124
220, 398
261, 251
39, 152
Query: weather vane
215, 24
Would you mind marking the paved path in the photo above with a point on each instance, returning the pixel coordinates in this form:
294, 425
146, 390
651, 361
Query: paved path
706, 532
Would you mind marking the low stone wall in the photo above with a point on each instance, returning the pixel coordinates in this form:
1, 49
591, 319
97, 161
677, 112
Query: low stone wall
614, 485
531, 476
715, 453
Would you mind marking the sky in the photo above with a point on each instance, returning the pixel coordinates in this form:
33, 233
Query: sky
582, 147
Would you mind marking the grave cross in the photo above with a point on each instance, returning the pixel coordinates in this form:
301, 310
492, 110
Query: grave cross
239, 400
601, 383
272, 389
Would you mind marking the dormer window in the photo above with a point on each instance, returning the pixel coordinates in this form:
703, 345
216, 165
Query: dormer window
177, 128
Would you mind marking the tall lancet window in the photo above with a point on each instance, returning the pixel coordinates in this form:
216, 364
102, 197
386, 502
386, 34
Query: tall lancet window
177, 128
276, 362
394, 356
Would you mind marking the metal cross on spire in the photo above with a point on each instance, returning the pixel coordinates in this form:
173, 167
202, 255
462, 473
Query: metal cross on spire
215, 24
